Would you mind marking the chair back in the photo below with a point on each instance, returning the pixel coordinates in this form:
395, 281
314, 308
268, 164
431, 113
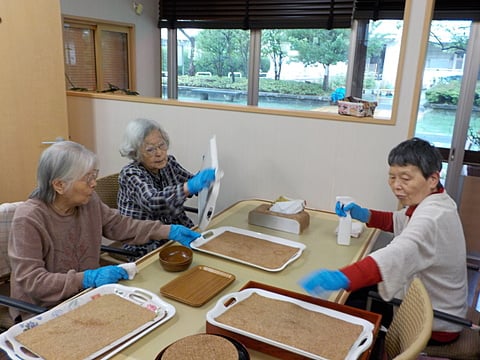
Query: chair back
6, 216
467, 346
7, 210
107, 189
411, 326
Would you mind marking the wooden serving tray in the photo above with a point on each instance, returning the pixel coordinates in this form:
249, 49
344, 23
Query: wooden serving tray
285, 354
198, 285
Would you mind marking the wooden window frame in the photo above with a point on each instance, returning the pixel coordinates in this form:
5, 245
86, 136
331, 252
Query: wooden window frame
98, 26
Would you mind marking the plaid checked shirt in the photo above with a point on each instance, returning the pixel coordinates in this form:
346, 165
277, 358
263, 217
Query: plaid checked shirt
146, 196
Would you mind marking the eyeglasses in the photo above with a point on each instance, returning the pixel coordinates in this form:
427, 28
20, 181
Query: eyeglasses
90, 177
152, 149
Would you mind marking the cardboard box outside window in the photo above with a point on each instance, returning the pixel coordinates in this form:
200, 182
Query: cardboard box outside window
356, 107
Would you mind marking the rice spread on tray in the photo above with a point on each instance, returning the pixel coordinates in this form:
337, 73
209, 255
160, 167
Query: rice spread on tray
293, 325
86, 329
250, 249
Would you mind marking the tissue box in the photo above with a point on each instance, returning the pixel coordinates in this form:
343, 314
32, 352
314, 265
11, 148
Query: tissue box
356, 107
292, 223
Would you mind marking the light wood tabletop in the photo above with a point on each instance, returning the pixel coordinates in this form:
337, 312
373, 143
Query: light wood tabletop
322, 251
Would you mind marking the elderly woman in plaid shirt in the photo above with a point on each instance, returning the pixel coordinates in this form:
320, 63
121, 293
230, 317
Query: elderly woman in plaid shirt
154, 186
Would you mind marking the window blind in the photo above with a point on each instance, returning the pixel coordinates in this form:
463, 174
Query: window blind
457, 10
379, 9
393, 9
255, 14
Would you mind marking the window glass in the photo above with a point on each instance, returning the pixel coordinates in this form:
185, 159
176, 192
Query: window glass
97, 56
311, 66
163, 60
382, 56
212, 65
115, 59
441, 81
79, 47
300, 69
473, 136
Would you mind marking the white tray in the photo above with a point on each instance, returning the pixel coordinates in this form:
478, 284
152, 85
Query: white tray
213, 233
362, 343
147, 299
207, 198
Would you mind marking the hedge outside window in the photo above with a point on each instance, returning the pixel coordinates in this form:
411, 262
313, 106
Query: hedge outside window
301, 65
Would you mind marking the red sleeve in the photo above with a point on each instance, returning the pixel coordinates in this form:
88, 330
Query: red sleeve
362, 273
382, 220
444, 336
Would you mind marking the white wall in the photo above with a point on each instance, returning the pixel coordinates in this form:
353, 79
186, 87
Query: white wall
262, 155
147, 34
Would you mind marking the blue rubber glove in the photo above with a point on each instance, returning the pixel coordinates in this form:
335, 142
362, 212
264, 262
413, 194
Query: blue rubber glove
323, 280
200, 181
182, 234
356, 212
103, 275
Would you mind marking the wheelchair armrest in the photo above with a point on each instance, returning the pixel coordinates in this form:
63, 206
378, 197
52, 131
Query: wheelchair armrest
191, 209
474, 267
21, 305
119, 251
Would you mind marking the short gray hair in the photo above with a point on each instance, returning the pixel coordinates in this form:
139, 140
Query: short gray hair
420, 153
135, 133
67, 161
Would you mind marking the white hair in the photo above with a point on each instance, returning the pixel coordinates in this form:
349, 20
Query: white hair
135, 133
65, 160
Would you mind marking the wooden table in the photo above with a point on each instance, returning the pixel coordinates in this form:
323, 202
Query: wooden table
321, 251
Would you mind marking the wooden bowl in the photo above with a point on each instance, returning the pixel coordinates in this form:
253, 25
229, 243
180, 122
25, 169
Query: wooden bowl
176, 258
200, 346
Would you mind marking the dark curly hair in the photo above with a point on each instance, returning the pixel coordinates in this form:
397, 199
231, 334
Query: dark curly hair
419, 153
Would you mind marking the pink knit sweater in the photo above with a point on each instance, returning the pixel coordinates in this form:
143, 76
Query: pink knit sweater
49, 252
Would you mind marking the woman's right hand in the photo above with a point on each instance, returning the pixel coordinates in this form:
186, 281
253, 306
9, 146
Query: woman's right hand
200, 181
320, 281
109, 274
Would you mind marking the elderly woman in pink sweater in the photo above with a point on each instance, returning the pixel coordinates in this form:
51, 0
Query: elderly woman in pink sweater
54, 247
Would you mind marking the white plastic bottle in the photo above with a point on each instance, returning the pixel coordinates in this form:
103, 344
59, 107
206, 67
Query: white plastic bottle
344, 223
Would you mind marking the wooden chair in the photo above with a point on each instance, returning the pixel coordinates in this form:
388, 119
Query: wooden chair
107, 189
467, 347
411, 326
467, 210
7, 211
6, 214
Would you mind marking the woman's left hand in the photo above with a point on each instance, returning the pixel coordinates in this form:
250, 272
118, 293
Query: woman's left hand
182, 234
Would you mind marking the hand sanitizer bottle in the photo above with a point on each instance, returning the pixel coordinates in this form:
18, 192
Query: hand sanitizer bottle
344, 223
